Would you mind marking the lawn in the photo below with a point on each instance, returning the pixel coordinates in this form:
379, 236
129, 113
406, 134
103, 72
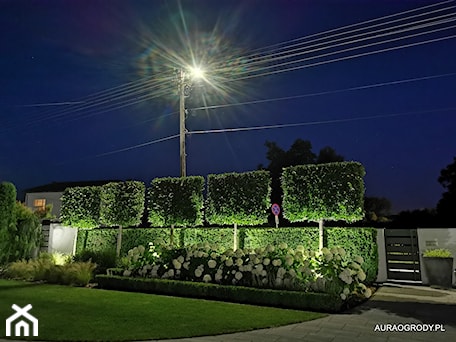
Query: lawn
83, 314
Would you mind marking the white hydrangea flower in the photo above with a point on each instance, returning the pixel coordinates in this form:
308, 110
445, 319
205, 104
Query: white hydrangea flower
207, 278
325, 250
127, 273
218, 277
270, 248
341, 251
198, 272
248, 268
264, 281
266, 261
256, 260
177, 265
213, 255
239, 262
345, 276
355, 265
276, 262
283, 245
264, 273
343, 296
238, 275
279, 282
361, 275
259, 267
292, 273
329, 256
368, 293
171, 273
180, 258
281, 272
289, 260
359, 259
212, 263
186, 265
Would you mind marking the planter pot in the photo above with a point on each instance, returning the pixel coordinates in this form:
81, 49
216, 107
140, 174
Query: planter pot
439, 271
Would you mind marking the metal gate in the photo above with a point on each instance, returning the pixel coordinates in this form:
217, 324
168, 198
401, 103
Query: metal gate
402, 254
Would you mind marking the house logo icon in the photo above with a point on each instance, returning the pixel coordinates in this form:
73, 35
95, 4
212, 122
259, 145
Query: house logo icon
21, 324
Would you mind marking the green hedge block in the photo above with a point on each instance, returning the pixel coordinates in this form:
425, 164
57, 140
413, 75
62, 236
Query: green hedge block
307, 237
176, 201
223, 237
238, 198
81, 207
332, 191
285, 299
357, 241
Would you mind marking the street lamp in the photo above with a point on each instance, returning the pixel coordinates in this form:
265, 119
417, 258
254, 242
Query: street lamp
184, 85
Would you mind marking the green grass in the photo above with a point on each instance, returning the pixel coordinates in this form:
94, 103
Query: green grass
83, 314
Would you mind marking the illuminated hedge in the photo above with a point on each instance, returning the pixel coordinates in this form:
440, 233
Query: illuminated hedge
81, 207
122, 203
238, 198
176, 201
7, 220
332, 191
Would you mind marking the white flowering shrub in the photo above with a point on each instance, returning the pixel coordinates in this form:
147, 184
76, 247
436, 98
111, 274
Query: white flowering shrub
278, 267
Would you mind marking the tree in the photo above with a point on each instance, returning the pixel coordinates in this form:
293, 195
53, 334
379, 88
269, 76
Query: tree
81, 207
238, 198
7, 220
122, 205
300, 153
176, 202
333, 191
377, 208
447, 204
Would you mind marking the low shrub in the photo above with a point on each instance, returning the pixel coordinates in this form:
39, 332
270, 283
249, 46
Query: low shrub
44, 268
271, 267
285, 299
103, 259
437, 253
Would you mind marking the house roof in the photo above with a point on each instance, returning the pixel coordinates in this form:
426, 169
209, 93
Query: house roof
61, 186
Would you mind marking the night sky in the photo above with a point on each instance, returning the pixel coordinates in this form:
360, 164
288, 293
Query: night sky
86, 84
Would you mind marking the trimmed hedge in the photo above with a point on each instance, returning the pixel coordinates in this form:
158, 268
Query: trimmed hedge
81, 207
8, 228
355, 241
307, 237
176, 201
238, 198
285, 299
332, 191
122, 203
362, 242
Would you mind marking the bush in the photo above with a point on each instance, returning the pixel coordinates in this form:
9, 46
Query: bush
280, 267
285, 299
81, 207
332, 191
8, 230
44, 269
176, 202
103, 259
437, 253
29, 234
238, 198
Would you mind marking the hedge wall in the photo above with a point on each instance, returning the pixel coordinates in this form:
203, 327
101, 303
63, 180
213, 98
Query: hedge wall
332, 191
81, 207
176, 201
238, 198
356, 241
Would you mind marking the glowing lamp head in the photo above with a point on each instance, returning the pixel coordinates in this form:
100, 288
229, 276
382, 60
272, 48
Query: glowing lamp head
196, 72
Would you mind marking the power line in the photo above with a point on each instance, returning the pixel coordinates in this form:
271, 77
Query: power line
329, 92
256, 128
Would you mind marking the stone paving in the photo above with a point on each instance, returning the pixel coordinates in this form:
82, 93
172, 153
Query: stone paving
391, 304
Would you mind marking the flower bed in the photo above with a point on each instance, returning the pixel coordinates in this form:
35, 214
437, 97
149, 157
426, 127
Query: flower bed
282, 268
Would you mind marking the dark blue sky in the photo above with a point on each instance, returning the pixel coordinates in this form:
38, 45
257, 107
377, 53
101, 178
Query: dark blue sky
61, 117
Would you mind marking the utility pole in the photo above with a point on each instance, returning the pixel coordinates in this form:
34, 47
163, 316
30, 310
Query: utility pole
182, 130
